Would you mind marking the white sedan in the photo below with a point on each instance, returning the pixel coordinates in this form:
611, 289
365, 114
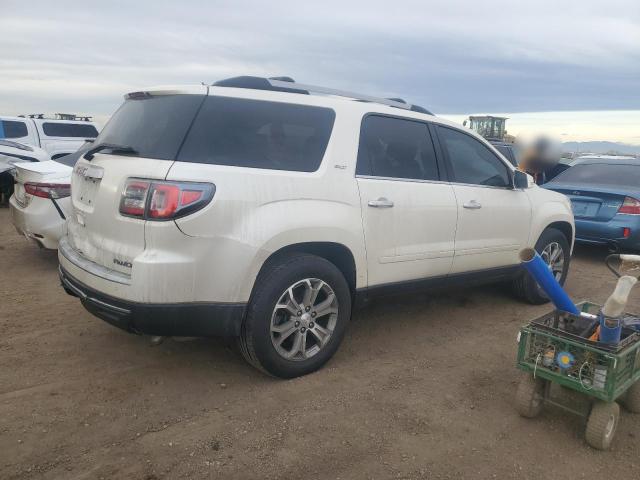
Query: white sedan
41, 201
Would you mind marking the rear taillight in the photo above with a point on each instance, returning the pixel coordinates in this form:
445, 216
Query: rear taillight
134, 198
630, 206
153, 200
48, 190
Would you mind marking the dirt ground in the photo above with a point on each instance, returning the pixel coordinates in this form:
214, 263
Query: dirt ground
422, 387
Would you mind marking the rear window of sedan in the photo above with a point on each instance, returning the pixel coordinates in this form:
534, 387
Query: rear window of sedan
601, 174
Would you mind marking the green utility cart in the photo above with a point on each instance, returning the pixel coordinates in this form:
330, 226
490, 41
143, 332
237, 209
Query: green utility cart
586, 377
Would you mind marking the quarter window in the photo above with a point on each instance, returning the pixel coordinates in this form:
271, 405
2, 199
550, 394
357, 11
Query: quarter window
258, 134
12, 129
471, 161
396, 148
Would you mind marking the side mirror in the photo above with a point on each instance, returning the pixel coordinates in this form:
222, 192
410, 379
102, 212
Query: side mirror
520, 180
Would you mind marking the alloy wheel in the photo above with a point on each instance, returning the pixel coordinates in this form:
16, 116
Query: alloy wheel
304, 319
553, 256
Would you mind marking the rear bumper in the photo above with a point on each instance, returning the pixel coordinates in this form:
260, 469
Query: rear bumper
39, 221
611, 232
176, 319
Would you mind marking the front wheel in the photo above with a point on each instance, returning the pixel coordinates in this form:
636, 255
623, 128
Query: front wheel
297, 316
530, 396
602, 424
554, 249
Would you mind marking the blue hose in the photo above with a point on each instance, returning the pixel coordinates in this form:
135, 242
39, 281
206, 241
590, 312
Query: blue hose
542, 274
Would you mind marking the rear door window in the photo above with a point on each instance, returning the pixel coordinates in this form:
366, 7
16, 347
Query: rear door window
392, 147
472, 162
153, 125
81, 130
13, 129
258, 134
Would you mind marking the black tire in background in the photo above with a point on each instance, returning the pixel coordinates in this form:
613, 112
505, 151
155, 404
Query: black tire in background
524, 286
255, 341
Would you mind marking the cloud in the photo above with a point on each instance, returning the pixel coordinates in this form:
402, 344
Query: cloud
449, 55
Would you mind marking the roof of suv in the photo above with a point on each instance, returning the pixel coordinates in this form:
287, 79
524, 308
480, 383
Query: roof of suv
284, 89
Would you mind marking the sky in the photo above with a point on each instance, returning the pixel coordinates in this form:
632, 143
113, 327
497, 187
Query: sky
567, 68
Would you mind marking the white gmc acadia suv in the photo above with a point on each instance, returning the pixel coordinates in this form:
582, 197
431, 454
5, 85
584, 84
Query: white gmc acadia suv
265, 210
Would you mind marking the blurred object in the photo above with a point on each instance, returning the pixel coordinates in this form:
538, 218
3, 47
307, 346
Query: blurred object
540, 156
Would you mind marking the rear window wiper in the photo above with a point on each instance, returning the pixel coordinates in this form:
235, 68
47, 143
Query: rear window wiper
114, 147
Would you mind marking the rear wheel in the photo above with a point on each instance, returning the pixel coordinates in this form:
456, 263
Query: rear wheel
602, 424
554, 249
297, 316
631, 399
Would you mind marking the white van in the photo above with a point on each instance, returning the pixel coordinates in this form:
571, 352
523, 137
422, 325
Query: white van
57, 137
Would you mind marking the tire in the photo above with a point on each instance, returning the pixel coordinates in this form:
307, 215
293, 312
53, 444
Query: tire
530, 396
602, 424
299, 348
524, 286
631, 399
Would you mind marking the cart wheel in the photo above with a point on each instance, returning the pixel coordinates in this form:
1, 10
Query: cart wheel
530, 396
631, 399
602, 424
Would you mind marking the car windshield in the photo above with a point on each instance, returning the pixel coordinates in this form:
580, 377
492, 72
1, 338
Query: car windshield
154, 126
601, 174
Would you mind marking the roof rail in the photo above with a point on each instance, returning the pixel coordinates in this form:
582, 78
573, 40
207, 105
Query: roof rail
258, 83
287, 84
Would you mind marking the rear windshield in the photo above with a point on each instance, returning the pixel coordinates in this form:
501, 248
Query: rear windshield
601, 174
154, 126
259, 134
81, 130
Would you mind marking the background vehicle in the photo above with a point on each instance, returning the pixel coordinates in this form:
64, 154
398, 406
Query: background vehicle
605, 195
11, 153
264, 209
493, 129
508, 151
562, 165
41, 201
60, 136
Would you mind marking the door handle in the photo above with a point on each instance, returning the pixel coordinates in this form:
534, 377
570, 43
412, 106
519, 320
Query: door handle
382, 202
472, 205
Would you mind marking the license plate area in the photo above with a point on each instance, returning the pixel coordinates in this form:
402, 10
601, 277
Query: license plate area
584, 209
86, 183
87, 189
